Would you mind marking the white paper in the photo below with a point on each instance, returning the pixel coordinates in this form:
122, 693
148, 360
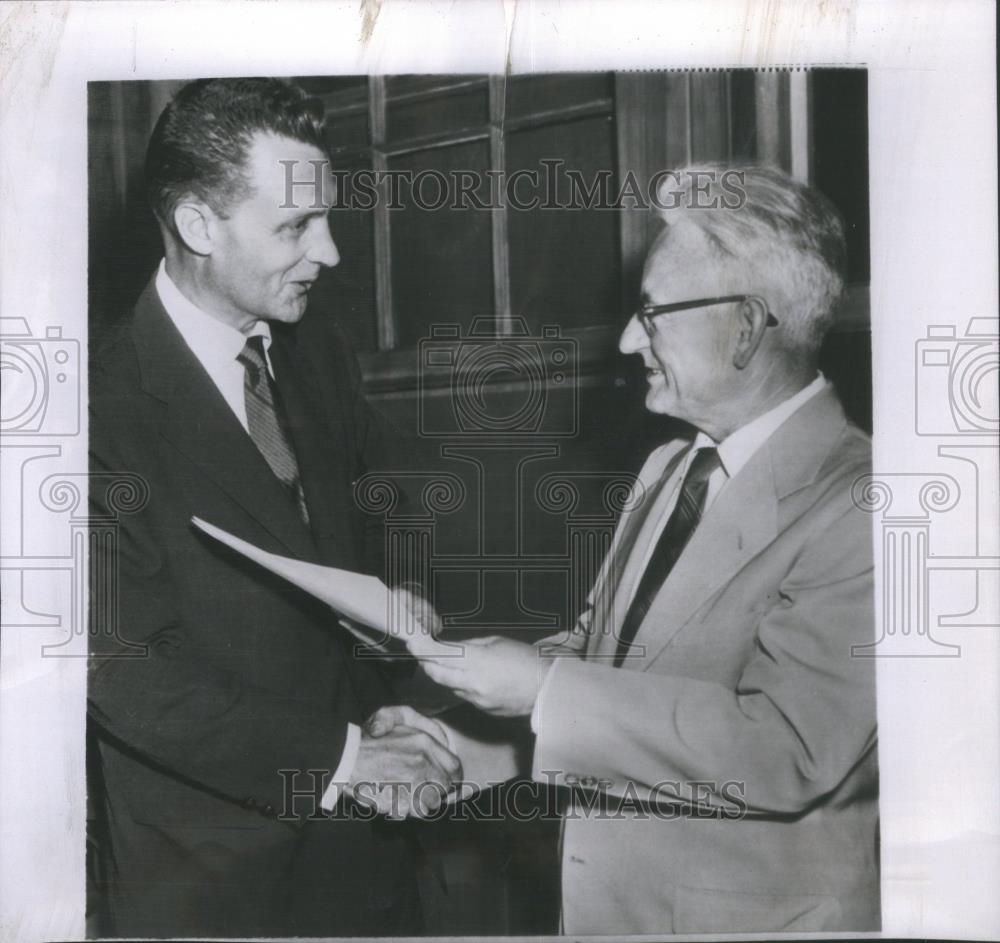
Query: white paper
357, 596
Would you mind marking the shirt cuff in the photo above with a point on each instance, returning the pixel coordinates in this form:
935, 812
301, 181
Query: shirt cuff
343, 772
536, 713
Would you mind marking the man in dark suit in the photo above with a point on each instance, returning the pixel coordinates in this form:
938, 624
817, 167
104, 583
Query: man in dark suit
222, 691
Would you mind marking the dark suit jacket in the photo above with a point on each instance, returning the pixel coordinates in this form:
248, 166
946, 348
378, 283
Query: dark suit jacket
242, 677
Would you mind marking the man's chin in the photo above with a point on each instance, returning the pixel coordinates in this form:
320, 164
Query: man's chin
290, 313
657, 401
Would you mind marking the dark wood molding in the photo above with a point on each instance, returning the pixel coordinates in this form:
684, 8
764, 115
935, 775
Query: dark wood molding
774, 143
384, 311
498, 214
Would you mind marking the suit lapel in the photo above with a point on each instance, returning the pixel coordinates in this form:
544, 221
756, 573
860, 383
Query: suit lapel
320, 448
199, 423
738, 525
622, 566
742, 521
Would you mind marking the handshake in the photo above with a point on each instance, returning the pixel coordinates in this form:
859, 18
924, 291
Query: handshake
406, 765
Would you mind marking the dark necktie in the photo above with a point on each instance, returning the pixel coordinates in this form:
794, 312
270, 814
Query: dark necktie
265, 422
683, 520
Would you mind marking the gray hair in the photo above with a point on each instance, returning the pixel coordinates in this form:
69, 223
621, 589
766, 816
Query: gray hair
776, 236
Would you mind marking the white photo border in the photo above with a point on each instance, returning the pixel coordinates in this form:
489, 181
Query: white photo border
933, 185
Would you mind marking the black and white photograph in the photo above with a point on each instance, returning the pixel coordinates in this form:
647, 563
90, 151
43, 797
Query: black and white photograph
500, 492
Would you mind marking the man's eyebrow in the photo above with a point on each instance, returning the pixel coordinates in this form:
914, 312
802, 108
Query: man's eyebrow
310, 213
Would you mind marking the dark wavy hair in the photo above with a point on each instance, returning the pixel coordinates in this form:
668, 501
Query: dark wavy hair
200, 144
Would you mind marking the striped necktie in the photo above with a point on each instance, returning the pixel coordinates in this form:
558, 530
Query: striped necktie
683, 520
267, 425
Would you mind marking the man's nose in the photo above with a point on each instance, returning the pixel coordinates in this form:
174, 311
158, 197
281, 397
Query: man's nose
634, 337
323, 250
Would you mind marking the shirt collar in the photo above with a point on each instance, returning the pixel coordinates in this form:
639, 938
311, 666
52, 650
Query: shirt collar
212, 341
737, 448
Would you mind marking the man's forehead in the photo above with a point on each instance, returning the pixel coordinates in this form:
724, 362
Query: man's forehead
279, 166
679, 262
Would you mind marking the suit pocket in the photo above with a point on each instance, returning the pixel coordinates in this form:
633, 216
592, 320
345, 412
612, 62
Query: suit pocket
716, 910
182, 807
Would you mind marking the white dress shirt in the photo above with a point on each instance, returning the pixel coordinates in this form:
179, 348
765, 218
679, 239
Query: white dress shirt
216, 345
213, 342
734, 452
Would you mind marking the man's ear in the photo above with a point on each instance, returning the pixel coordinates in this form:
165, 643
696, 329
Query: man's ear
196, 226
751, 324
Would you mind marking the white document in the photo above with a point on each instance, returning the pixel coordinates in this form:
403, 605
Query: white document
355, 596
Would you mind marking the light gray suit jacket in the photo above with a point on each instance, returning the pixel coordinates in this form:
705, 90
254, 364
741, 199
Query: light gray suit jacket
745, 701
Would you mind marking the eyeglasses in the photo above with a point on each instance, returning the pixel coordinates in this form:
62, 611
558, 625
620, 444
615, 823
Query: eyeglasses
646, 314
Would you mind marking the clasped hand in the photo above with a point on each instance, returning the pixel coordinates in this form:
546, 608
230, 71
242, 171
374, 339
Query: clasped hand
404, 767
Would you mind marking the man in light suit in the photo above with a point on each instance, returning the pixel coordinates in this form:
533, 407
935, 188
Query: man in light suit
217, 692
710, 695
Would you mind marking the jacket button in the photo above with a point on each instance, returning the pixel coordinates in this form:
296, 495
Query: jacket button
249, 803
270, 811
